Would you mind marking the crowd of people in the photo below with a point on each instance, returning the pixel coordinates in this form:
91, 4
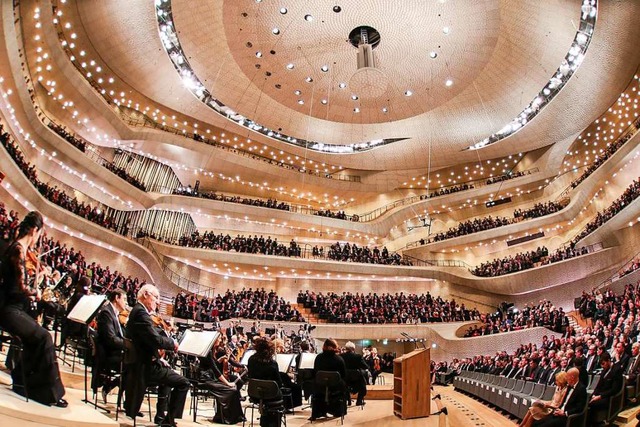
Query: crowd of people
538, 210
79, 143
506, 177
244, 244
354, 253
398, 308
256, 304
610, 151
53, 193
506, 319
122, 173
630, 194
526, 260
212, 195
337, 215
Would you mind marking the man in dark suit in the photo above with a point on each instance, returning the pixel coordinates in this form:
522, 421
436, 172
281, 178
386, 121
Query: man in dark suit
592, 359
356, 372
533, 371
149, 367
610, 383
110, 340
574, 402
554, 368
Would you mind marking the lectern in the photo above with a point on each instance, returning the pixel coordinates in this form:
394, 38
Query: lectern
412, 385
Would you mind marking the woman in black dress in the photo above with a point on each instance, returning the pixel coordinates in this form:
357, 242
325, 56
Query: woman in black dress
227, 395
262, 366
39, 359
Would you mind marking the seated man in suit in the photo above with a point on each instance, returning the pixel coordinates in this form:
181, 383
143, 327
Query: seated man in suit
110, 340
610, 383
357, 379
149, 367
574, 402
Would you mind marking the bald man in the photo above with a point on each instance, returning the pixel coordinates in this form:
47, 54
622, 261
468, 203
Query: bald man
574, 402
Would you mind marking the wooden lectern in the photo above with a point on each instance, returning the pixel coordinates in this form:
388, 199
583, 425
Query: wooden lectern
412, 385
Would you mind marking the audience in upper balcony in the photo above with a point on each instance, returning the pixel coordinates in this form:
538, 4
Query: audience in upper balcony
610, 151
354, 253
252, 245
524, 261
54, 194
510, 319
630, 194
385, 308
538, 210
248, 304
122, 173
337, 215
269, 203
80, 144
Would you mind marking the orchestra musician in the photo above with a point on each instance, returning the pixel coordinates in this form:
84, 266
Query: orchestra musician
38, 362
149, 367
110, 339
226, 393
355, 362
328, 360
262, 366
71, 328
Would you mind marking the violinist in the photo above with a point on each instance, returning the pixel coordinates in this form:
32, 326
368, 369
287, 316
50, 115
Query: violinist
358, 380
39, 362
110, 340
70, 328
49, 305
226, 393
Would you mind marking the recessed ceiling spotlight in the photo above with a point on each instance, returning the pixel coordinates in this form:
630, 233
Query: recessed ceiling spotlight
354, 97
276, 31
309, 79
433, 54
446, 30
308, 18
337, 9
283, 10
324, 102
408, 93
356, 110
258, 54
448, 83
385, 110
324, 68
342, 85
290, 66
258, 1
300, 101
297, 92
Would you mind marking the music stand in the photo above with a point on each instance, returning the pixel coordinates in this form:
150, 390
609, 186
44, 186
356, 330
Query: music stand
84, 312
284, 362
197, 343
245, 357
307, 360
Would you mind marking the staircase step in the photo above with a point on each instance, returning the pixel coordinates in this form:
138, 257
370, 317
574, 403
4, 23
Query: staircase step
627, 415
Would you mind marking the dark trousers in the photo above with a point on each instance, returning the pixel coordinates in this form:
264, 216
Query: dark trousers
170, 385
228, 401
38, 360
551, 421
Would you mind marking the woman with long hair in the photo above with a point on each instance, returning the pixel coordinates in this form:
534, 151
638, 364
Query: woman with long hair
540, 408
38, 361
262, 366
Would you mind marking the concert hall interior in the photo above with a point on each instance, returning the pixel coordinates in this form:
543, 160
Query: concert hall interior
438, 198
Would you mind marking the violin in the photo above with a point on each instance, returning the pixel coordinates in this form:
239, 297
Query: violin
123, 316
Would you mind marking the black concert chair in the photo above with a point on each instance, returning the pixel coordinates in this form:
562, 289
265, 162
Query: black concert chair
190, 372
14, 357
355, 378
333, 392
101, 372
607, 416
267, 398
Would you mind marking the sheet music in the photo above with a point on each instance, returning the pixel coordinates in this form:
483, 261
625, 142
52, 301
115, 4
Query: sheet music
86, 308
284, 362
307, 360
245, 357
197, 343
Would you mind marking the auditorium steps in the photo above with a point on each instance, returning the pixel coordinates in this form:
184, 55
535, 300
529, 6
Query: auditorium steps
308, 315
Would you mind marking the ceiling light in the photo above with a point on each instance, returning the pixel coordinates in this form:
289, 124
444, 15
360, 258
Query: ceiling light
276, 31
324, 68
283, 10
446, 30
290, 66
433, 54
356, 110
324, 102
309, 79
354, 97
385, 110
297, 92
258, 54
448, 83
300, 101
342, 85
408, 93
337, 9
308, 18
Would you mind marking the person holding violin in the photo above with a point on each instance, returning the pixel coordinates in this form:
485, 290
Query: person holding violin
149, 367
110, 340
226, 393
38, 362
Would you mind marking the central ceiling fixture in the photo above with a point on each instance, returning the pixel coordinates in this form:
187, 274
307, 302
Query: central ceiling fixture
368, 81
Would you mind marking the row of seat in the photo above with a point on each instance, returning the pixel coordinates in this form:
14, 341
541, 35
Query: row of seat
511, 395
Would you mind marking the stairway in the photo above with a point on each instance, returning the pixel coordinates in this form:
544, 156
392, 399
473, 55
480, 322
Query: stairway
307, 314
576, 321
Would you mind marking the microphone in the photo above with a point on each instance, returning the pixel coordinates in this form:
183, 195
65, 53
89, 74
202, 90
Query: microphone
442, 411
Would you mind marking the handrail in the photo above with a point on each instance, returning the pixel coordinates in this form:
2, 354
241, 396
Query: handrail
417, 262
618, 274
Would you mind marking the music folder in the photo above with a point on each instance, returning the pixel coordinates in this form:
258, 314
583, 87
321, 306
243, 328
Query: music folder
86, 308
307, 360
284, 362
197, 343
245, 357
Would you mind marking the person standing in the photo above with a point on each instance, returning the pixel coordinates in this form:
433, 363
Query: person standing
149, 367
38, 361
